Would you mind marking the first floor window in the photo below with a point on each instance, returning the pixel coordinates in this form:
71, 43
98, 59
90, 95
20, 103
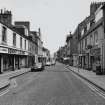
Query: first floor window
14, 39
4, 34
20, 42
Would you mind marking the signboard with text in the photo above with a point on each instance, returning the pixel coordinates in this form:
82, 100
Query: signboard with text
3, 50
14, 51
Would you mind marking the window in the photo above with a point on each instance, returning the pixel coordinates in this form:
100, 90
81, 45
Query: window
82, 45
4, 32
14, 39
82, 32
85, 42
98, 15
85, 29
96, 37
20, 42
91, 39
88, 26
25, 44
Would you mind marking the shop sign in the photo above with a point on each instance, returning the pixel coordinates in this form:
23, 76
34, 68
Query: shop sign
26, 53
14, 51
3, 50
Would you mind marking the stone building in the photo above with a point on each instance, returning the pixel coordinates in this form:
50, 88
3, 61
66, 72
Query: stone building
72, 50
18, 46
92, 39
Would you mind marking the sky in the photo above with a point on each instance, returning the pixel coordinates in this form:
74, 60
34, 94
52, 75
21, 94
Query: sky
56, 18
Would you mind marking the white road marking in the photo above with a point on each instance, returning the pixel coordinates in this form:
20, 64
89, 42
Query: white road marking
13, 84
4, 92
91, 86
96, 90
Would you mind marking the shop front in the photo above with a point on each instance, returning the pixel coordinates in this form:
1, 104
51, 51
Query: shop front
12, 59
87, 62
8, 62
75, 60
95, 58
82, 60
31, 60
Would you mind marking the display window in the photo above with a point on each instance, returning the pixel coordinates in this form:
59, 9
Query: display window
7, 62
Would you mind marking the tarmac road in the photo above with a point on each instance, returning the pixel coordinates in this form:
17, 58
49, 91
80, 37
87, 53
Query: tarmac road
54, 86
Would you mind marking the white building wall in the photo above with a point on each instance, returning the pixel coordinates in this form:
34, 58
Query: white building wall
23, 43
27, 45
0, 33
17, 41
9, 37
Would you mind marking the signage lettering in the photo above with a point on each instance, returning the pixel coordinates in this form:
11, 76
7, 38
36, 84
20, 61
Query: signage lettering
14, 51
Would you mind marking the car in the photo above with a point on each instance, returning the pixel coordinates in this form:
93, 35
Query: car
48, 63
37, 67
53, 62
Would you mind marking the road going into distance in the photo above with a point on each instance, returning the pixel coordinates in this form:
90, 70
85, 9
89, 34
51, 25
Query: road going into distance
56, 85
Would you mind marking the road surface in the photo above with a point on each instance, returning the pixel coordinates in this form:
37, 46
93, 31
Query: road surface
56, 85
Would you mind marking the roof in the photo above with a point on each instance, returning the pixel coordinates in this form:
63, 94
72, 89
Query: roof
93, 28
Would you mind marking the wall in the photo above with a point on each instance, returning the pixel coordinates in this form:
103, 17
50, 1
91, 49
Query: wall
10, 38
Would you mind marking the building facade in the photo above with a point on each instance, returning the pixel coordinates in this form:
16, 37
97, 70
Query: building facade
92, 41
13, 49
72, 49
18, 45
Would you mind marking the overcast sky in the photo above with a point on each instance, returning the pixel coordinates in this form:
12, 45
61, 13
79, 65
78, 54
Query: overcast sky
56, 18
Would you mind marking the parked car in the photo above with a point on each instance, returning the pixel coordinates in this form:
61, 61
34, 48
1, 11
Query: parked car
48, 63
39, 66
53, 62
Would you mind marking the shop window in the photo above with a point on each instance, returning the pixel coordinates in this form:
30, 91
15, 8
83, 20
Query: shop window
14, 39
7, 62
10, 62
4, 34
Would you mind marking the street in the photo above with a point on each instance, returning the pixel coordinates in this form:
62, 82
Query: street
56, 85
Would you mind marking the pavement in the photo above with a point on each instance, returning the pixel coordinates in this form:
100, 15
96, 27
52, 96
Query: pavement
90, 76
5, 77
